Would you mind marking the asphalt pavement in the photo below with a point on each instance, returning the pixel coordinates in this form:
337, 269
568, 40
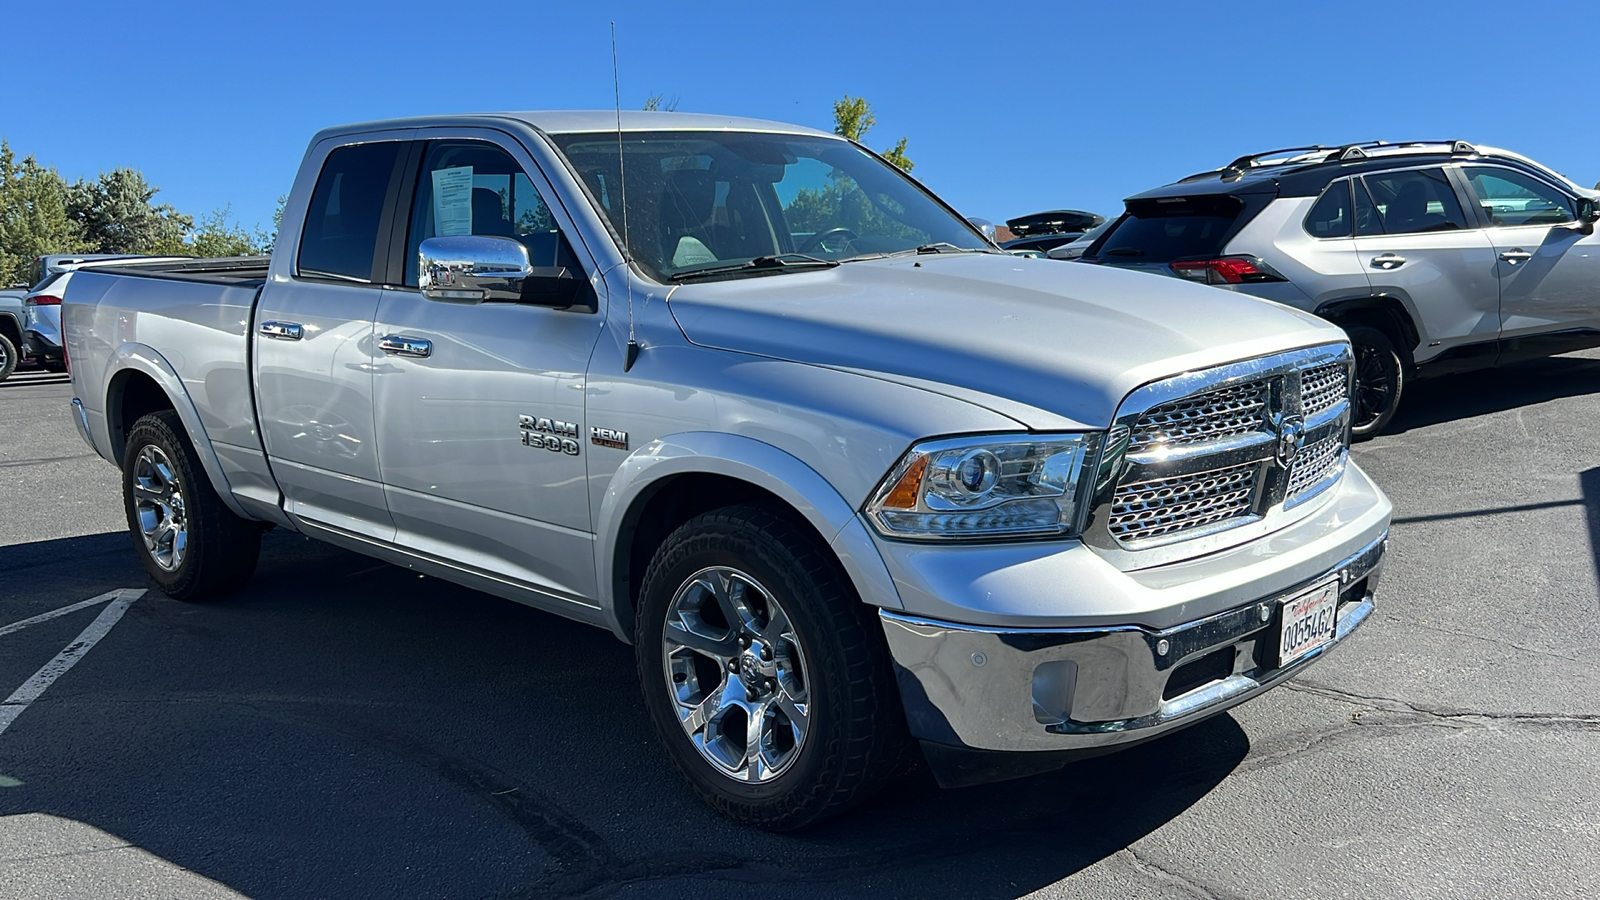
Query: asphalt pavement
346, 728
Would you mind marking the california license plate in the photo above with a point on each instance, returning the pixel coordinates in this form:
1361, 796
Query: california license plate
1307, 622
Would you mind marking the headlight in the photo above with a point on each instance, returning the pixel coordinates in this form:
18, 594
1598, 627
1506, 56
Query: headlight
998, 486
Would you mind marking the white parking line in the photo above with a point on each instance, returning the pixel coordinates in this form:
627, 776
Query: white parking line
68, 657
57, 613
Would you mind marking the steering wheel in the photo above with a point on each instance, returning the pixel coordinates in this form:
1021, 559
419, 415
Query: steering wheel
819, 240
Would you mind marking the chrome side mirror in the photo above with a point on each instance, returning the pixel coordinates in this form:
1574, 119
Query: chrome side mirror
985, 226
473, 269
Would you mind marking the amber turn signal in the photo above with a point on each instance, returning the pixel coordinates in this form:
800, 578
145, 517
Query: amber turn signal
909, 488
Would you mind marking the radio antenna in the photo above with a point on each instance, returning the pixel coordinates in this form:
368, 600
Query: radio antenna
632, 353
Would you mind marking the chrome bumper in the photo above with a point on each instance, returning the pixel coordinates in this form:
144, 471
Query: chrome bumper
1087, 689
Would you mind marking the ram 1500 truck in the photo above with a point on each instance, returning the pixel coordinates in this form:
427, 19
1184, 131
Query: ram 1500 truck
851, 481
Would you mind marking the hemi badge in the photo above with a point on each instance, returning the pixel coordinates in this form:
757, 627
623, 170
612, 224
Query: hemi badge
606, 437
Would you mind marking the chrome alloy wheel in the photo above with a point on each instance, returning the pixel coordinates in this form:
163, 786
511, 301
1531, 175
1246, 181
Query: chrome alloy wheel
158, 502
736, 674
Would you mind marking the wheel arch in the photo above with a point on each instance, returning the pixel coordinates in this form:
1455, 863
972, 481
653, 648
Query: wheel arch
1388, 314
11, 327
142, 382
675, 478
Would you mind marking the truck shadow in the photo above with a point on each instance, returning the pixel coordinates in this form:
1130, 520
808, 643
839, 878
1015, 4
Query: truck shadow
347, 728
1433, 401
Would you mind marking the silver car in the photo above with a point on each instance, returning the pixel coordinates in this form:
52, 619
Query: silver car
1435, 256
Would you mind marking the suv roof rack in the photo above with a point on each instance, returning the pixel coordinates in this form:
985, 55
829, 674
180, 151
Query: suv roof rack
1345, 152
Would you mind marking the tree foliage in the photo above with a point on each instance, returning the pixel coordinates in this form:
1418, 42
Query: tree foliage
853, 118
660, 103
41, 213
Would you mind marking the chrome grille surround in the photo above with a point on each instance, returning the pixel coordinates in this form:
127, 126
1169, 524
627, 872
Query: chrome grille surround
1239, 409
1168, 485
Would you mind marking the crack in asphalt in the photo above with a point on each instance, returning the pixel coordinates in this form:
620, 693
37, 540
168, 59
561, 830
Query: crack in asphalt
1156, 872
13, 463
1459, 718
1478, 637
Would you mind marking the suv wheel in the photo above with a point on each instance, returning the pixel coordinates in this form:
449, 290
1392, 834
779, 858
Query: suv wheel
8, 357
1380, 379
189, 542
761, 671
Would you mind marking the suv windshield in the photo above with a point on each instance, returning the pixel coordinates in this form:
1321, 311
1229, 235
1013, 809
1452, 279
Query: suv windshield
716, 200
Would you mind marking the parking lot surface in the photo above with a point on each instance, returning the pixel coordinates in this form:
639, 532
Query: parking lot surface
349, 728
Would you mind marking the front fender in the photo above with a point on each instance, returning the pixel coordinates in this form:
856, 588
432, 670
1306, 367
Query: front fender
144, 359
748, 460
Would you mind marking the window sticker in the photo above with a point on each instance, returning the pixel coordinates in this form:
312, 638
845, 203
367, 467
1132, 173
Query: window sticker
452, 201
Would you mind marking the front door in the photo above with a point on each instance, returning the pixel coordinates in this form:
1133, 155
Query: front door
1419, 246
1549, 270
313, 347
481, 412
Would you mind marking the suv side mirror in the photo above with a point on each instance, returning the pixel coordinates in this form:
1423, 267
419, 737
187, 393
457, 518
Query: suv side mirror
483, 269
1588, 213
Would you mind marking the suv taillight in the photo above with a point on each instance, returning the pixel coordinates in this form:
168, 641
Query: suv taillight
44, 300
1226, 270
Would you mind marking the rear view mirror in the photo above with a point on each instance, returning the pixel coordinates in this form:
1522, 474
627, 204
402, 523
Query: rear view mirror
483, 269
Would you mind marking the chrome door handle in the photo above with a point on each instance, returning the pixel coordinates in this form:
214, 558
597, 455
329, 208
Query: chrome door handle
283, 331
1516, 256
406, 346
1388, 261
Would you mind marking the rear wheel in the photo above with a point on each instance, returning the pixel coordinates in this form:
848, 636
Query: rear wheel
8, 357
188, 540
1380, 379
762, 672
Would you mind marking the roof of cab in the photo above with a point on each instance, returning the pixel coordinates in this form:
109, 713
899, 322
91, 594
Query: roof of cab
581, 121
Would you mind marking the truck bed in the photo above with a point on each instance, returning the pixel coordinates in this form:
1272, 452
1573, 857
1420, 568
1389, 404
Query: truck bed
238, 271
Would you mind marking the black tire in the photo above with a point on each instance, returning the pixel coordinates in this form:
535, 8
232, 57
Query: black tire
219, 550
1379, 382
8, 357
854, 738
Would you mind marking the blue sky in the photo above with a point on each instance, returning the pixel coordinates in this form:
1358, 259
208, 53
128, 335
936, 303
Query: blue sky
1010, 108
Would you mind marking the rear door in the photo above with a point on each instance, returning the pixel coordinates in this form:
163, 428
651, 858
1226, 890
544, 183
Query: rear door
1419, 246
481, 417
1549, 270
313, 339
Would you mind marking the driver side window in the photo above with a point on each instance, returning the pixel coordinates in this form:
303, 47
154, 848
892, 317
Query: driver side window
1511, 198
475, 187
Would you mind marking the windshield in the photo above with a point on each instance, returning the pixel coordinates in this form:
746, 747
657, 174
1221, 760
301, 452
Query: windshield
711, 200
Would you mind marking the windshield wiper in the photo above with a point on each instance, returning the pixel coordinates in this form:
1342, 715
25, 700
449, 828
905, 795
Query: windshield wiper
936, 247
780, 261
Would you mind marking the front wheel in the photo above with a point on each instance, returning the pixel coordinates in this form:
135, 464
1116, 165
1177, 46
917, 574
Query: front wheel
1380, 379
188, 540
8, 357
762, 672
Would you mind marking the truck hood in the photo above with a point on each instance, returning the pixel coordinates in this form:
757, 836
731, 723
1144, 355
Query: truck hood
1051, 344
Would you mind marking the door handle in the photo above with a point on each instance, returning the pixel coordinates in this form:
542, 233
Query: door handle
406, 346
1388, 261
1516, 256
283, 331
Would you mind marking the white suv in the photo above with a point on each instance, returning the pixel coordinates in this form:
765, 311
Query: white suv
1435, 256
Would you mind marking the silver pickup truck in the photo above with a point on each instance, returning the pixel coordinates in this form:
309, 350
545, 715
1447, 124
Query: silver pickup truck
851, 481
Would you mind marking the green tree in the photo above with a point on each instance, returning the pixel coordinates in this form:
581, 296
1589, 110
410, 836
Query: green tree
659, 102
216, 236
853, 118
33, 217
117, 215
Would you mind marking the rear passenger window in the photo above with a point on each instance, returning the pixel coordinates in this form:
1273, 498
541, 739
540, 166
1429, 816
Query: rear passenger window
341, 233
1416, 201
1330, 216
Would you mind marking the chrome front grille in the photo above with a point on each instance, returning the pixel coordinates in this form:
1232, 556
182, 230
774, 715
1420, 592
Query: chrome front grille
1213, 415
1315, 463
1150, 509
1217, 456
1322, 387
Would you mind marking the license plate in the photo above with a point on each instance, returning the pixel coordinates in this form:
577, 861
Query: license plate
1307, 621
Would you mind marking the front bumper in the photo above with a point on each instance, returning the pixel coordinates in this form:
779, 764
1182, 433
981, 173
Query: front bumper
1085, 689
